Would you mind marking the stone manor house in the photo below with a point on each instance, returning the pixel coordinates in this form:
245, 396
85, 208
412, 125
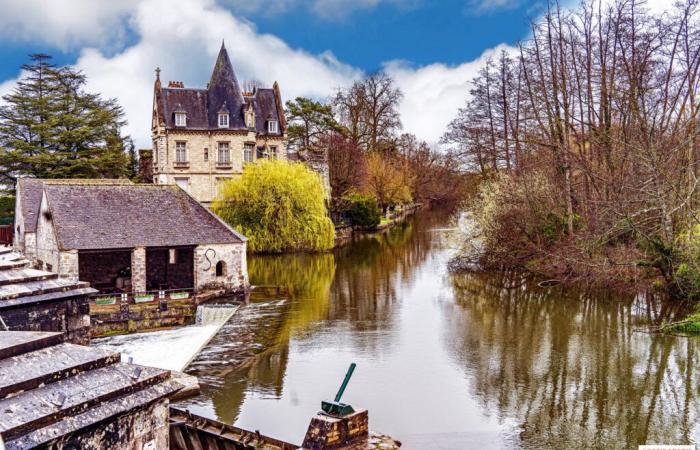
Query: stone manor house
202, 137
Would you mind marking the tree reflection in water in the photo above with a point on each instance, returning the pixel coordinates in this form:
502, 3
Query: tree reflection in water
569, 367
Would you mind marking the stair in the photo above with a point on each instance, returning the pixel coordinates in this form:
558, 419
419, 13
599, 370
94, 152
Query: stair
48, 365
20, 342
48, 404
21, 275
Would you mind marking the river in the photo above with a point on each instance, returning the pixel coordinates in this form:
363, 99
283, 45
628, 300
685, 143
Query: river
448, 361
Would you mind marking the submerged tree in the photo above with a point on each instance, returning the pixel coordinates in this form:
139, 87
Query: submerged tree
279, 206
50, 127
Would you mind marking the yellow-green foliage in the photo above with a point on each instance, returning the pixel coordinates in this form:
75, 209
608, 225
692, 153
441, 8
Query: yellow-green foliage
279, 207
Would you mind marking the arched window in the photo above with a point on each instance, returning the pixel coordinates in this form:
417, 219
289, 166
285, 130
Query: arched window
220, 269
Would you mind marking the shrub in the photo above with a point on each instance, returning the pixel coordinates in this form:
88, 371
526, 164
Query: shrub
279, 207
364, 210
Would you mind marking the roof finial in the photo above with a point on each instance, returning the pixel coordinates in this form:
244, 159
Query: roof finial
158, 73
223, 45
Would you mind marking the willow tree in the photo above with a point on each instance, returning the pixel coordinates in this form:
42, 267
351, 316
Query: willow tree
279, 206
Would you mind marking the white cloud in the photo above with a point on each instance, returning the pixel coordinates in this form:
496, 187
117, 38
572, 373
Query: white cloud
432, 94
183, 38
486, 6
65, 23
326, 9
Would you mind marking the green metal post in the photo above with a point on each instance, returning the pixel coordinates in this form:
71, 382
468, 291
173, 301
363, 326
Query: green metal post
345, 382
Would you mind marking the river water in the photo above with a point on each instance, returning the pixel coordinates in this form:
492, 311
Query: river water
448, 361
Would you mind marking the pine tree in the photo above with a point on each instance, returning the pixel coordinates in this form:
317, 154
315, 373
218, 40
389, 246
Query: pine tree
51, 128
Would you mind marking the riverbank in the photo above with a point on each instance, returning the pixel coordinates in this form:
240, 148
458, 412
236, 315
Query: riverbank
346, 233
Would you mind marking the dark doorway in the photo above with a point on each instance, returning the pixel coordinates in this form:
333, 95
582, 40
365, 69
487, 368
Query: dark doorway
169, 268
107, 271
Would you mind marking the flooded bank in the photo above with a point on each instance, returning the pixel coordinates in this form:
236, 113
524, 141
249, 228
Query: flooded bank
448, 361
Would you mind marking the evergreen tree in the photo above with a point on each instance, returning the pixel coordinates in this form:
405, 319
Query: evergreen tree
51, 128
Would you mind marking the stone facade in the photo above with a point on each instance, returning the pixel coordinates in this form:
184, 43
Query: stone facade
221, 266
202, 137
202, 174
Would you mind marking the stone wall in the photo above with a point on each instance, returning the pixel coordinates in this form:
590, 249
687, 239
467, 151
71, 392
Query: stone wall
138, 269
233, 257
47, 253
120, 319
69, 315
29, 245
68, 265
140, 429
202, 173
18, 240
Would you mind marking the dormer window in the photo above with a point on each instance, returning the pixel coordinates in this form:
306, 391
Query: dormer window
223, 120
272, 126
180, 119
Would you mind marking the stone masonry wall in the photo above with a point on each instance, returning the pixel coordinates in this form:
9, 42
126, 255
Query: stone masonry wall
140, 429
68, 265
235, 276
138, 269
47, 253
69, 315
203, 175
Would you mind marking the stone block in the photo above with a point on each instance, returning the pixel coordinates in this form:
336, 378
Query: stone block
338, 433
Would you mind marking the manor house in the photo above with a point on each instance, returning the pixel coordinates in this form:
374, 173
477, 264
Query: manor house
202, 137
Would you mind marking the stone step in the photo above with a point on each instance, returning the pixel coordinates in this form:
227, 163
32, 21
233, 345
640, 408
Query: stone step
13, 343
22, 275
8, 263
43, 437
5, 250
39, 287
49, 404
48, 365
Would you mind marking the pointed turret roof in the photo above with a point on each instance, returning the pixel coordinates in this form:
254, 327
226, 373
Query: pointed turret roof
224, 89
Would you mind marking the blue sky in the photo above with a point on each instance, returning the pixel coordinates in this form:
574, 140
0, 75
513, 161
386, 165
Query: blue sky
312, 47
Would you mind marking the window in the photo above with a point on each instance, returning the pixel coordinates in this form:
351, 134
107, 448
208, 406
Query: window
273, 152
221, 269
206, 154
172, 256
180, 151
224, 153
183, 183
223, 120
272, 126
180, 119
248, 153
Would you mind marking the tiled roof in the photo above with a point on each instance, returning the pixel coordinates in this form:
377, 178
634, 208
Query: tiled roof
93, 217
202, 106
30, 190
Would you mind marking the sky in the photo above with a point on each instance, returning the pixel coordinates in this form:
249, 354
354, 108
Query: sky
432, 48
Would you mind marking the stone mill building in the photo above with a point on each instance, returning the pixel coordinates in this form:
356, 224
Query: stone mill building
123, 237
201, 137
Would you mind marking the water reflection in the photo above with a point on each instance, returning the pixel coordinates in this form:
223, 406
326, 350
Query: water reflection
570, 366
448, 361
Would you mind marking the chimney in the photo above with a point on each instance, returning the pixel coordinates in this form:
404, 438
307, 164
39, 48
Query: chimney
176, 84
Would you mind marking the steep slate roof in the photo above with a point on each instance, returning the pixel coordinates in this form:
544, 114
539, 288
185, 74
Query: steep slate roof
93, 217
30, 190
203, 105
